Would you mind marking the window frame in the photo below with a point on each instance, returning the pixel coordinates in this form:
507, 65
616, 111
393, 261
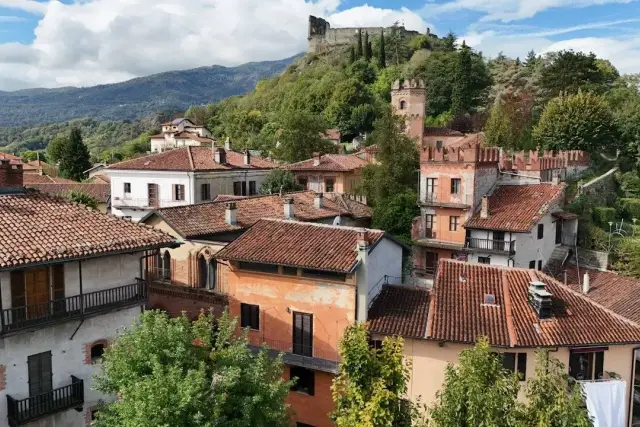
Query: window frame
329, 188
454, 222
127, 188
96, 358
178, 192
515, 362
532, 265
482, 259
205, 191
250, 316
429, 219
307, 375
456, 185
540, 231
44, 378
252, 188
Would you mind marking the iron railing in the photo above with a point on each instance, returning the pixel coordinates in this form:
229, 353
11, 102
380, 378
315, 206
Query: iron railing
120, 202
491, 245
447, 198
19, 318
297, 348
22, 411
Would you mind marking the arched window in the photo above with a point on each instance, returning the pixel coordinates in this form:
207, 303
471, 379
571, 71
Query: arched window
212, 274
202, 269
97, 350
403, 105
166, 267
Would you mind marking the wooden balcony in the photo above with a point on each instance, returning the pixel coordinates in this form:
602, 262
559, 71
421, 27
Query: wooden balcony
23, 411
310, 357
17, 319
491, 246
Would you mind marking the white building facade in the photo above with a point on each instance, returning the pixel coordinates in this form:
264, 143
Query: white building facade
180, 132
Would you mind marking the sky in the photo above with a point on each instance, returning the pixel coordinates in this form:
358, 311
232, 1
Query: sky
54, 43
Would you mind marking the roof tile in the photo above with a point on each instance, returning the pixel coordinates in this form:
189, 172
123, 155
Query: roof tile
400, 310
330, 162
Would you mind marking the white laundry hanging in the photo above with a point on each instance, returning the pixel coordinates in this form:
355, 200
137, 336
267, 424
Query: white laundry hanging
606, 402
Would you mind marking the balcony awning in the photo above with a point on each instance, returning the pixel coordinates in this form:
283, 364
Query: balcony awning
440, 244
564, 215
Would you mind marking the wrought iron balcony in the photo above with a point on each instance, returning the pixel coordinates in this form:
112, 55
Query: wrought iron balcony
37, 315
310, 357
137, 203
447, 199
22, 411
494, 246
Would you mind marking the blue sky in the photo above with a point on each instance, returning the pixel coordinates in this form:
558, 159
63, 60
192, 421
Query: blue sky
52, 43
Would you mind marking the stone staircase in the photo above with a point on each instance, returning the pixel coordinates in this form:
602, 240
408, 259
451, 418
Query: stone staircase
555, 263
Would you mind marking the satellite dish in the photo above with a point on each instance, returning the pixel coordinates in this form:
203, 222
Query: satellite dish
337, 220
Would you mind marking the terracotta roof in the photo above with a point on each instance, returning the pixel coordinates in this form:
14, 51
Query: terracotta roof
458, 312
7, 156
471, 140
37, 228
185, 135
33, 179
400, 310
209, 218
517, 208
299, 244
330, 162
620, 294
100, 192
440, 131
101, 179
191, 159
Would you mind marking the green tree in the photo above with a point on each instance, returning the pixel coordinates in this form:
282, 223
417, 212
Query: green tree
83, 199
299, 135
370, 389
174, 372
461, 97
359, 51
369, 51
477, 392
568, 72
397, 43
279, 180
347, 95
582, 121
627, 254
140, 145
396, 215
553, 398
498, 131
382, 54
532, 59
75, 157
352, 55
367, 47
56, 147
29, 156
449, 42
510, 122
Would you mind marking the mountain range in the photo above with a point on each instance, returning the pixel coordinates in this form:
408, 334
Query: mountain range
164, 92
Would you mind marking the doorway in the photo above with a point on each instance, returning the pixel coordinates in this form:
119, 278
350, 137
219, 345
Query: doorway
152, 195
558, 232
37, 292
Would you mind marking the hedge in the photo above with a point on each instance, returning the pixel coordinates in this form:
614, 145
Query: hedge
602, 215
630, 207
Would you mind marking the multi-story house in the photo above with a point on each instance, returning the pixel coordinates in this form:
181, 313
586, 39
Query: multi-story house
69, 278
186, 277
183, 176
519, 311
296, 286
181, 132
329, 173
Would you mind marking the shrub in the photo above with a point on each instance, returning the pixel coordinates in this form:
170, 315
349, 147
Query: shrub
596, 238
630, 184
602, 215
630, 207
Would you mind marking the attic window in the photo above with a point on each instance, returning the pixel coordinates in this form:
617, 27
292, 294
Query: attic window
490, 299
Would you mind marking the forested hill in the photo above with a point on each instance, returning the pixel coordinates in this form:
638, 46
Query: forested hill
171, 91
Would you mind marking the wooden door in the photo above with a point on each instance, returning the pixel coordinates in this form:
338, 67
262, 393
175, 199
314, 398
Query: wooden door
40, 373
37, 292
152, 195
558, 231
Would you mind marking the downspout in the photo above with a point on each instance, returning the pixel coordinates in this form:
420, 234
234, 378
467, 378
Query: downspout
80, 283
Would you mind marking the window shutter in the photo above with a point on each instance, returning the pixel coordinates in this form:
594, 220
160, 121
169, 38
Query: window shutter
255, 317
17, 289
173, 191
599, 365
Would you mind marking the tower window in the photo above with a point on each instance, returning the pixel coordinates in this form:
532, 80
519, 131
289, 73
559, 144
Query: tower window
403, 105
97, 350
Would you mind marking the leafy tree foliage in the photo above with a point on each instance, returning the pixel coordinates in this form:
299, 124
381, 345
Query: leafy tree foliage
510, 122
396, 214
627, 254
359, 50
56, 147
352, 55
29, 155
568, 72
449, 42
298, 135
348, 95
174, 372
461, 101
83, 199
74, 158
382, 54
553, 398
279, 180
367, 47
477, 392
370, 389
582, 121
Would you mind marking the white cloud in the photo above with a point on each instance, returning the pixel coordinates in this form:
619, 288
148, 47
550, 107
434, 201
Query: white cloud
510, 10
9, 18
102, 41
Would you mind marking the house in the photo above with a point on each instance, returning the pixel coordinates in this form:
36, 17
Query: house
186, 276
436, 137
101, 193
181, 132
296, 286
519, 311
183, 176
95, 170
69, 278
329, 173
333, 135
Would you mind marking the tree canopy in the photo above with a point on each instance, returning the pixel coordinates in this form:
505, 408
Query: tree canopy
74, 156
279, 180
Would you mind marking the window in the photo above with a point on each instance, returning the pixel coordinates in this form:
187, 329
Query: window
205, 192
303, 334
304, 425
97, 350
303, 183
40, 374
237, 188
453, 223
539, 265
178, 192
438, 145
429, 221
516, 362
376, 344
540, 231
250, 316
403, 105
456, 183
432, 184
94, 412
305, 380
263, 268
252, 188
207, 272
328, 185
166, 266
586, 364
532, 265
320, 274
127, 188
484, 260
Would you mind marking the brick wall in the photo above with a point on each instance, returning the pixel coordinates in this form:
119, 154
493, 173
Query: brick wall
176, 299
3, 377
11, 175
89, 346
313, 410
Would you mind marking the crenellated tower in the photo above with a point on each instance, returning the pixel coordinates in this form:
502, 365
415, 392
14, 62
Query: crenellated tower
409, 99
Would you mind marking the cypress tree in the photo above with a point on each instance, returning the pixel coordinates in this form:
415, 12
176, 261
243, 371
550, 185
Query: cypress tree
75, 156
382, 55
359, 48
367, 52
352, 55
461, 96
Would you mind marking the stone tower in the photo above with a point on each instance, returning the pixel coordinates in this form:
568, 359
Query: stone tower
409, 99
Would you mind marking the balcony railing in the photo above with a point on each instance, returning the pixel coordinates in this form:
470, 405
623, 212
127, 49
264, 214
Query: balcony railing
499, 246
312, 357
20, 318
119, 202
447, 199
22, 411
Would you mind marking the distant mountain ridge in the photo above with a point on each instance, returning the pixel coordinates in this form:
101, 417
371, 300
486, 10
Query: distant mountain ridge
164, 92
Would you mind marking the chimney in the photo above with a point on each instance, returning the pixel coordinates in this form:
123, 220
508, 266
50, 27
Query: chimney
316, 159
363, 239
227, 144
484, 207
363, 295
288, 208
317, 201
230, 214
586, 283
220, 156
247, 157
540, 299
11, 179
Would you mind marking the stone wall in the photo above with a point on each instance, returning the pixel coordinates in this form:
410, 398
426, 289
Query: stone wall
592, 259
600, 190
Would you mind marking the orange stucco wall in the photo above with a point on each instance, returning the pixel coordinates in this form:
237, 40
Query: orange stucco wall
345, 182
431, 141
441, 224
313, 410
